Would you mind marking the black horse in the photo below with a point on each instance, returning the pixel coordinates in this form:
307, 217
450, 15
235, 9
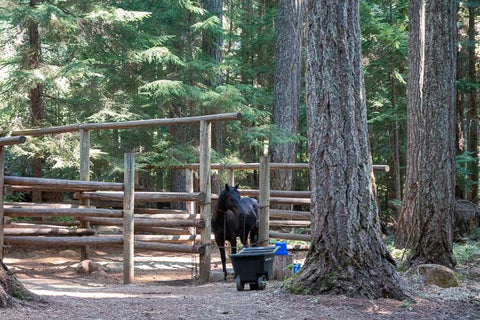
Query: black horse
234, 217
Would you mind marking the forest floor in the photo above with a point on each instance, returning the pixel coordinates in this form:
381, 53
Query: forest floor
165, 288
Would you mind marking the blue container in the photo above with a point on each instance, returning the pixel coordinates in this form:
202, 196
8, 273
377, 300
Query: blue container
296, 267
282, 248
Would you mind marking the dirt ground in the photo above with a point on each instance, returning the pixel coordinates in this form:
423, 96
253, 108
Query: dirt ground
165, 288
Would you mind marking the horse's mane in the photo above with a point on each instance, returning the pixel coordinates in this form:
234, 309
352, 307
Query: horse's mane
221, 198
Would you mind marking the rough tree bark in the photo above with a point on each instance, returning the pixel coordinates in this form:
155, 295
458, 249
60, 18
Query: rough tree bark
286, 89
180, 134
212, 47
36, 93
472, 106
11, 287
416, 56
347, 255
427, 213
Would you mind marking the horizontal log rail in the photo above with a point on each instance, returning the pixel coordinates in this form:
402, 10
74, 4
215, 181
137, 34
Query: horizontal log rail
287, 214
168, 247
34, 205
32, 224
294, 201
276, 193
143, 196
157, 230
164, 237
8, 141
63, 185
129, 124
60, 212
176, 216
290, 236
273, 166
177, 223
48, 232
63, 241
98, 241
289, 223
158, 211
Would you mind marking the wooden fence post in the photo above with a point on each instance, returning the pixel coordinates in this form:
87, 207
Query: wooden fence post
230, 177
2, 211
264, 201
205, 207
128, 226
190, 204
84, 175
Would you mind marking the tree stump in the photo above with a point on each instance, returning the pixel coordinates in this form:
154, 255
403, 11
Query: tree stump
282, 267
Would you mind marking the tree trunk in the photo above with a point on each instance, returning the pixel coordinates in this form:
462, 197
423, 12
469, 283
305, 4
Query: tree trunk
472, 107
35, 94
347, 255
459, 112
11, 287
286, 90
416, 54
429, 200
212, 48
179, 134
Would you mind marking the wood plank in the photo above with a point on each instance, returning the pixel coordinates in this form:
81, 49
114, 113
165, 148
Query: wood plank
128, 220
143, 196
206, 206
288, 214
48, 232
172, 223
290, 236
61, 184
129, 124
8, 141
54, 212
63, 241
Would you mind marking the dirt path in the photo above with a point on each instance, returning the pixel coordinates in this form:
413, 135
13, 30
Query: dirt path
165, 290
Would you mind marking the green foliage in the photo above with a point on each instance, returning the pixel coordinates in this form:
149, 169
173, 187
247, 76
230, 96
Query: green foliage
466, 253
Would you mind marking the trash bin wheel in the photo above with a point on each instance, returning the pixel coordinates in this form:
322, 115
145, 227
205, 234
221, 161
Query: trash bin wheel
261, 282
239, 283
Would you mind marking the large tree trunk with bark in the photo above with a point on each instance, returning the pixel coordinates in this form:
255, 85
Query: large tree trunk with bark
286, 90
472, 106
11, 287
347, 255
416, 56
427, 212
212, 48
36, 93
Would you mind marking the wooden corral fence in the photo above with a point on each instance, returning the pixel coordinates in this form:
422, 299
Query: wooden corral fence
176, 227
274, 222
142, 227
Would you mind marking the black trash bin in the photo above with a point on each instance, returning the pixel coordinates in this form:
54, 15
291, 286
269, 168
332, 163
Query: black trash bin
253, 266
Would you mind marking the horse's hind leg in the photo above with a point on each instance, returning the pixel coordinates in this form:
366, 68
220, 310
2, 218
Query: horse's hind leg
254, 237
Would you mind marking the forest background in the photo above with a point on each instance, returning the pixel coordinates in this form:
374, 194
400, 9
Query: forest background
66, 62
